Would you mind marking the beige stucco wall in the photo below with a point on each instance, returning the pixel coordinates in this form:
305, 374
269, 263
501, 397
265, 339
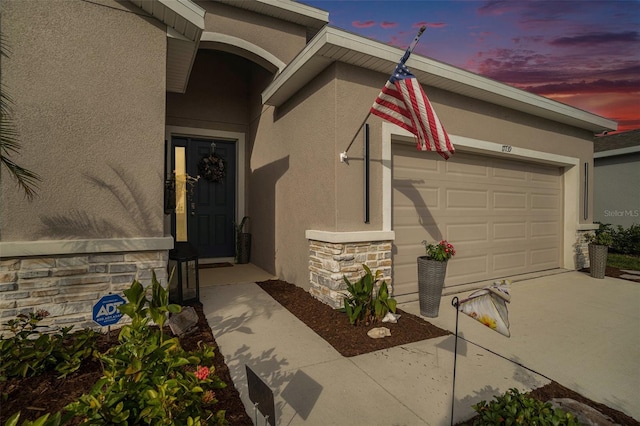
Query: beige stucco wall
88, 84
296, 159
293, 182
280, 38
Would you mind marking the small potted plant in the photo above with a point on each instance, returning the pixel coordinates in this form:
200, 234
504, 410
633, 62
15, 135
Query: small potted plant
431, 271
599, 243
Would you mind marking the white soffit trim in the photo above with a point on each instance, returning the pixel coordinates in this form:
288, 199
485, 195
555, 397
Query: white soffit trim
335, 45
286, 10
252, 52
614, 152
186, 17
185, 23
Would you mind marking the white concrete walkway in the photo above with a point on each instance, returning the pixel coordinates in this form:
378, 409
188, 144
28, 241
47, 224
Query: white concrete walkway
581, 332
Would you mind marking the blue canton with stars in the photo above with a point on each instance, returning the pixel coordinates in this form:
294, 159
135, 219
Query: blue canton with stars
401, 73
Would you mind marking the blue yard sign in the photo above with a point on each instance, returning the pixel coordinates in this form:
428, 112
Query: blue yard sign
105, 311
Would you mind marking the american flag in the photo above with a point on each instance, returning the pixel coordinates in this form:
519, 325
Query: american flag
403, 102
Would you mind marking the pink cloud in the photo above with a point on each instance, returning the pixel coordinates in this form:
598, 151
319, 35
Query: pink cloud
429, 24
387, 24
398, 42
363, 24
615, 106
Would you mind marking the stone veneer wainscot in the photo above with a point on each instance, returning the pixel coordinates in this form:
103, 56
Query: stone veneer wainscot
67, 285
334, 255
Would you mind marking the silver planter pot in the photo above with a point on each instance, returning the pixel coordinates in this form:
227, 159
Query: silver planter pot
430, 283
598, 260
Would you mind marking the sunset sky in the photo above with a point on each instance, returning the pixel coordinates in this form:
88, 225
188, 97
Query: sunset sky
583, 53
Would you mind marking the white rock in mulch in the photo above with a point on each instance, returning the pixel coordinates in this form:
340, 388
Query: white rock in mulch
586, 415
391, 317
183, 322
379, 332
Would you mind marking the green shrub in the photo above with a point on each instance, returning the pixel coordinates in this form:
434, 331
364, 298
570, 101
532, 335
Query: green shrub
626, 241
601, 236
515, 408
148, 378
29, 352
361, 305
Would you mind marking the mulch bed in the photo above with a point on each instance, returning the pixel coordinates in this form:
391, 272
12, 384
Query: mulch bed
333, 325
36, 396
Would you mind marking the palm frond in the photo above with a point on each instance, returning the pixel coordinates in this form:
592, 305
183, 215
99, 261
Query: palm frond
9, 143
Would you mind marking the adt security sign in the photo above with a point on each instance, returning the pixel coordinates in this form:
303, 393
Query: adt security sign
105, 311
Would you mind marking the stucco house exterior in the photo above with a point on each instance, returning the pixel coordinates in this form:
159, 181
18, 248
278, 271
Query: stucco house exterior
111, 97
616, 162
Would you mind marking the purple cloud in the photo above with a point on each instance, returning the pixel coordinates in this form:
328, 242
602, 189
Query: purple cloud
495, 7
597, 38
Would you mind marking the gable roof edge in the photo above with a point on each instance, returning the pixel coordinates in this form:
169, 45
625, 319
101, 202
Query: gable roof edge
184, 16
292, 11
336, 45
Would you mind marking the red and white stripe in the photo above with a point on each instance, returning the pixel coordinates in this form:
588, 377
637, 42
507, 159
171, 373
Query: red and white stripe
405, 104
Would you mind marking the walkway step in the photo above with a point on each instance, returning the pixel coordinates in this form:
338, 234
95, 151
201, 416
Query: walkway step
630, 277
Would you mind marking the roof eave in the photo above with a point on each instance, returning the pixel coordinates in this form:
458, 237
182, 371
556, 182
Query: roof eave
291, 11
332, 45
185, 23
616, 152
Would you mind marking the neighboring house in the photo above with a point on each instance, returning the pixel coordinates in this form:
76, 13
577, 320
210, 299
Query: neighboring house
111, 96
616, 162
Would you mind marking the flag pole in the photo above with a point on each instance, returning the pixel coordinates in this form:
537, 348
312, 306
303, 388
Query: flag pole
455, 304
343, 155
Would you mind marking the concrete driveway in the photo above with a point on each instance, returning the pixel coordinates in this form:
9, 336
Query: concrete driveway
582, 332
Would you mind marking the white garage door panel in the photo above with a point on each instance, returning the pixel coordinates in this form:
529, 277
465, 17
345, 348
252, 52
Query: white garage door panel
503, 217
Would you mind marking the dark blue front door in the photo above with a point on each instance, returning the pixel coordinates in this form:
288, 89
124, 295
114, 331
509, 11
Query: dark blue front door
211, 209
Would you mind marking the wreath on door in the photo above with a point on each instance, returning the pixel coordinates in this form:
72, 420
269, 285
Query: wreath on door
212, 168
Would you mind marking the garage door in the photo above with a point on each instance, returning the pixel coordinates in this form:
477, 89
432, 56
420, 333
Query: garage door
503, 217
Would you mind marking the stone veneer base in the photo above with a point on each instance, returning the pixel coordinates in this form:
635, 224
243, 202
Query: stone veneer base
330, 261
67, 286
